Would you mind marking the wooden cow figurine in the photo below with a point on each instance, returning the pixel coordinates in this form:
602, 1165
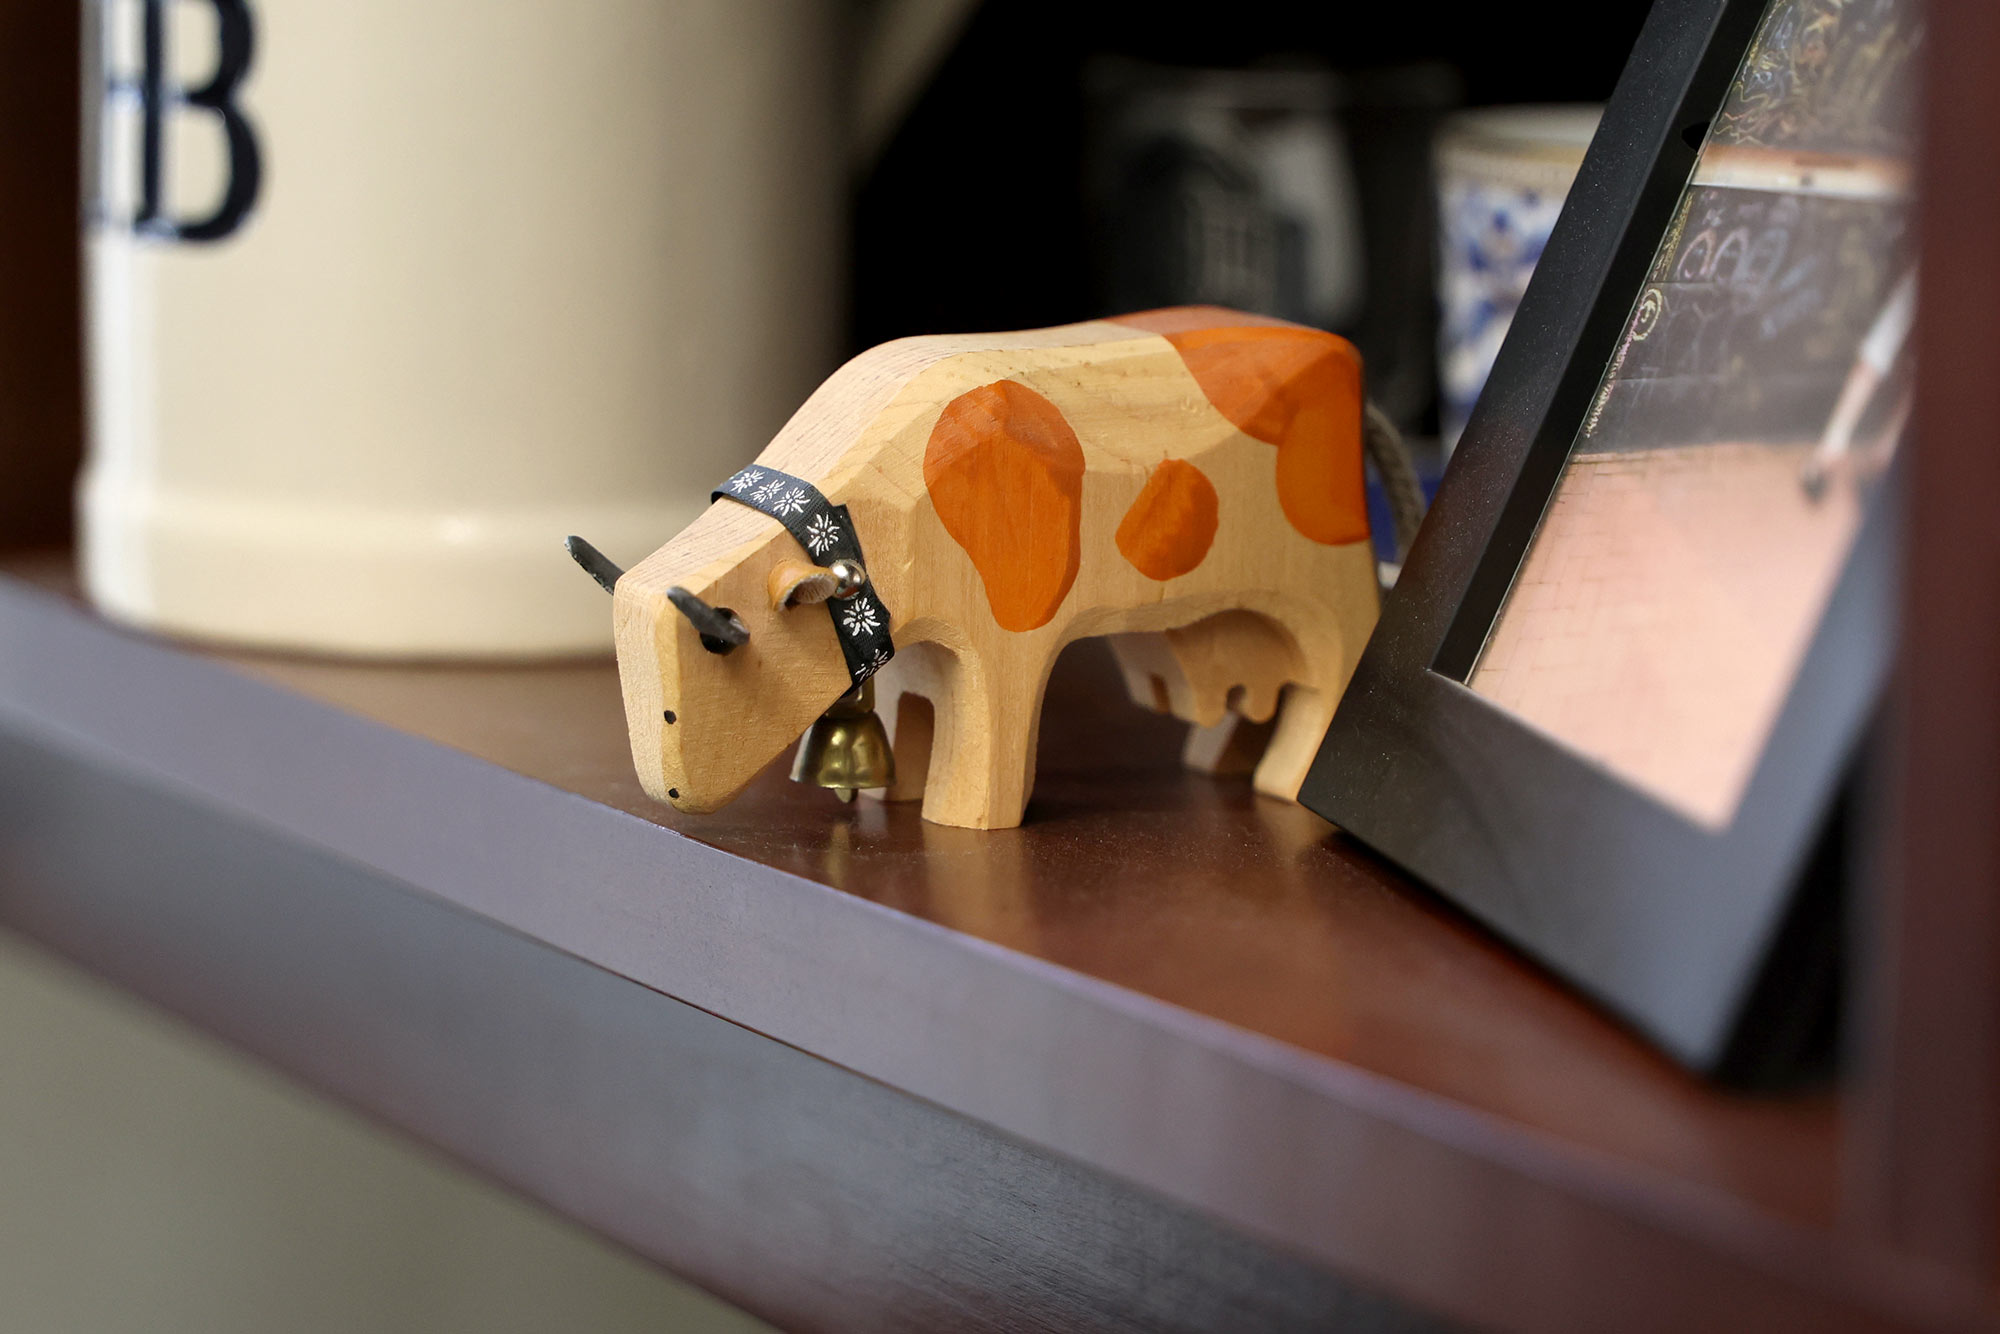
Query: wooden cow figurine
1187, 481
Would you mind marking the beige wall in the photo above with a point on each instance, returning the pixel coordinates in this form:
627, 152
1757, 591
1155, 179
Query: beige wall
152, 1180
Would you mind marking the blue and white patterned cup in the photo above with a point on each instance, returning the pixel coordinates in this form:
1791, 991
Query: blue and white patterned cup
1502, 174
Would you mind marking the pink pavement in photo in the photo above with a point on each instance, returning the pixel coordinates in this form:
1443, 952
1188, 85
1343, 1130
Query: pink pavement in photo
1663, 610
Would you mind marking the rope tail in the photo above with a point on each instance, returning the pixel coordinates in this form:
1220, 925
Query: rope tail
1383, 445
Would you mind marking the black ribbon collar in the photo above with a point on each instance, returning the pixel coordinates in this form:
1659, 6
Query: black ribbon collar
860, 622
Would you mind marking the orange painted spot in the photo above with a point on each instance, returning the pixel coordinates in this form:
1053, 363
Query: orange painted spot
1005, 474
1293, 387
1171, 525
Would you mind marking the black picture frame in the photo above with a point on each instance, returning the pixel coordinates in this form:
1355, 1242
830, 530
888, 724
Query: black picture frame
1665, 921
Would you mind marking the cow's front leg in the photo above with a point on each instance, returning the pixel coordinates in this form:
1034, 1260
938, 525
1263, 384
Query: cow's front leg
907, 692
982, 763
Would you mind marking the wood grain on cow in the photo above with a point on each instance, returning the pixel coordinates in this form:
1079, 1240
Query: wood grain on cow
1013, 493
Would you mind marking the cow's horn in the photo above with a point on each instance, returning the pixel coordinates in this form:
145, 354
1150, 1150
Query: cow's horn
719, 629
594, 562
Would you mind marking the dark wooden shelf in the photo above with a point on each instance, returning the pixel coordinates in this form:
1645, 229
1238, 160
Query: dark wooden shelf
1170, 1053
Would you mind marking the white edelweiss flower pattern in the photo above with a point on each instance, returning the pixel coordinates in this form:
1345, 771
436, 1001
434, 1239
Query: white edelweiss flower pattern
873, 665
782, 497
820, 534
858, 617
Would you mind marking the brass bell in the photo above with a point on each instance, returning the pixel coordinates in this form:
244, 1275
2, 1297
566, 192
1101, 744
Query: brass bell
847, 748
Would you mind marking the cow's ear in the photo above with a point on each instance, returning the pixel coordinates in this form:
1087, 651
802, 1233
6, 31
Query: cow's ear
796, 583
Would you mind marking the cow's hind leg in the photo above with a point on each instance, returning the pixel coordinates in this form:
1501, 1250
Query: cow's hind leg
1229, 747
1153, 675
1222, 674
1232, 662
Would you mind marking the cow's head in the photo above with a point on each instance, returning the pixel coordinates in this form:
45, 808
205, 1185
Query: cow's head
723, 657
